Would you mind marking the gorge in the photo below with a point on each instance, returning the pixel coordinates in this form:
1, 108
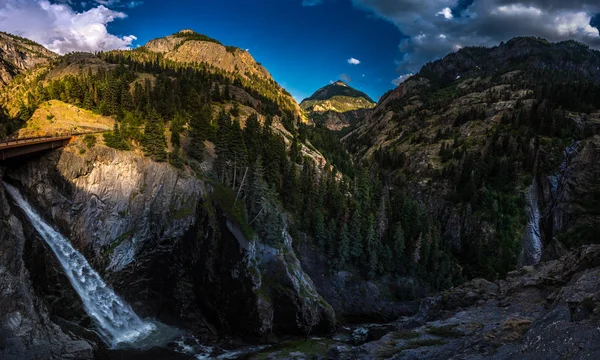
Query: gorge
204, 213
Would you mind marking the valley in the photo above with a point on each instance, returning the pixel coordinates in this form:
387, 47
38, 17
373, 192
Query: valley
202, 212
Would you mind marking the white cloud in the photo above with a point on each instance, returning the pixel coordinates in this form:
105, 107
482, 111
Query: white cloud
447, 13
518, 10
119, 3
60, 28
401, 79
353, 61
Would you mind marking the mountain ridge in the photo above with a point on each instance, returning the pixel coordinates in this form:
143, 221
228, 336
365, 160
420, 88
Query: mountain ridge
337, 105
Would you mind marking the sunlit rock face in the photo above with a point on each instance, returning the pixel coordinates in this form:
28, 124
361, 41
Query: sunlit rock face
155, 235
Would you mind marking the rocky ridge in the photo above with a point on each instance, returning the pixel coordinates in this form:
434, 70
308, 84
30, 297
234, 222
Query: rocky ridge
18, 54
439, 133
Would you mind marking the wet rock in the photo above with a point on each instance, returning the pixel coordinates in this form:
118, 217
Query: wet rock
26, 330
159, 239
549, 311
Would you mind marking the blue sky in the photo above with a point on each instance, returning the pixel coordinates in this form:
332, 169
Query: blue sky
305, 44
303, 47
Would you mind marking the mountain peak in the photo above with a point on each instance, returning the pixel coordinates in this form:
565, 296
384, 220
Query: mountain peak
338, 88
519, 53
186, 32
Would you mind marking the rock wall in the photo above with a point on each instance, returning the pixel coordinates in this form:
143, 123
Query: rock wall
157, 236
27, 330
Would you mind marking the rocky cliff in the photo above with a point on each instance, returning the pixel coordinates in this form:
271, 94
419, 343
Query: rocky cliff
27, 328
187, 46
549, 311
470, 133
18, 54
193, 266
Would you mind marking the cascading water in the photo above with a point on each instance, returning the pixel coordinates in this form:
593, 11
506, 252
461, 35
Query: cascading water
531, 253
117, 323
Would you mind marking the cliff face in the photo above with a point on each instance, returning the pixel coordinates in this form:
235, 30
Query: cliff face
27, 330
182, 49
549, 311
18, 54
469, 135
159, 239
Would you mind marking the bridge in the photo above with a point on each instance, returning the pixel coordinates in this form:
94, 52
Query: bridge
12, 148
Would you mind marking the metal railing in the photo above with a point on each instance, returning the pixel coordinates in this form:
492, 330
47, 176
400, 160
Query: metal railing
16, 141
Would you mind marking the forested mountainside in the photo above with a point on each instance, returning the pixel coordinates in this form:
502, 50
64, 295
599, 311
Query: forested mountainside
194, 114
211, 169
337, 106
242, 223
499, 144
18, 54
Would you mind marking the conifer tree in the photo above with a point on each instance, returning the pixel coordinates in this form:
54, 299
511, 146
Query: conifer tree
356, 241
344, 247
154, 141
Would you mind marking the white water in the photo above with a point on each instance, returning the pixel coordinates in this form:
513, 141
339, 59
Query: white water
117, 323
532, 240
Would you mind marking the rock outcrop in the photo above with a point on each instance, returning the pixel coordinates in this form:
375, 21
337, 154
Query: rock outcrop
549, 311
161, 240
18, 54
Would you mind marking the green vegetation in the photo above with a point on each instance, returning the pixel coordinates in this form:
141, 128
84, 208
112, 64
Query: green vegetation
90, 141
194, 36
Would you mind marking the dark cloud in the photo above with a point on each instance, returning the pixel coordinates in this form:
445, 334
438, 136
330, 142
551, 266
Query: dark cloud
460, 7
595, 21
433, 28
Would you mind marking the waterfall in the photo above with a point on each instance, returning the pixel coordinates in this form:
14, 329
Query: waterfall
531, 253
117, 323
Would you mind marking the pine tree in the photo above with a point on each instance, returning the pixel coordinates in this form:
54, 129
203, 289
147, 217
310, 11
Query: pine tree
344, 248
252, 134
154, 141
356, 243
320, 230
372, 247
115, 139
399, 246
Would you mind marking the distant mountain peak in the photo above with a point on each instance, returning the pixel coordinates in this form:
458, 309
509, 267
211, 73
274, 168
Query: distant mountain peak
337, 105
338, 88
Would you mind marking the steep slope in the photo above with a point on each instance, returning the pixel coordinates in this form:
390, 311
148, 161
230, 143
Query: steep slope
492, 141
337, 106
18, 54
189, 47
549, 311
179, 180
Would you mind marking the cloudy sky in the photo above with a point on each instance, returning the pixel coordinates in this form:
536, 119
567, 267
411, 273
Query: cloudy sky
305, 44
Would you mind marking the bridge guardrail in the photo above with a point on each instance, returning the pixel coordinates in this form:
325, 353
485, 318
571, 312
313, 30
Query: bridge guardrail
10, 141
